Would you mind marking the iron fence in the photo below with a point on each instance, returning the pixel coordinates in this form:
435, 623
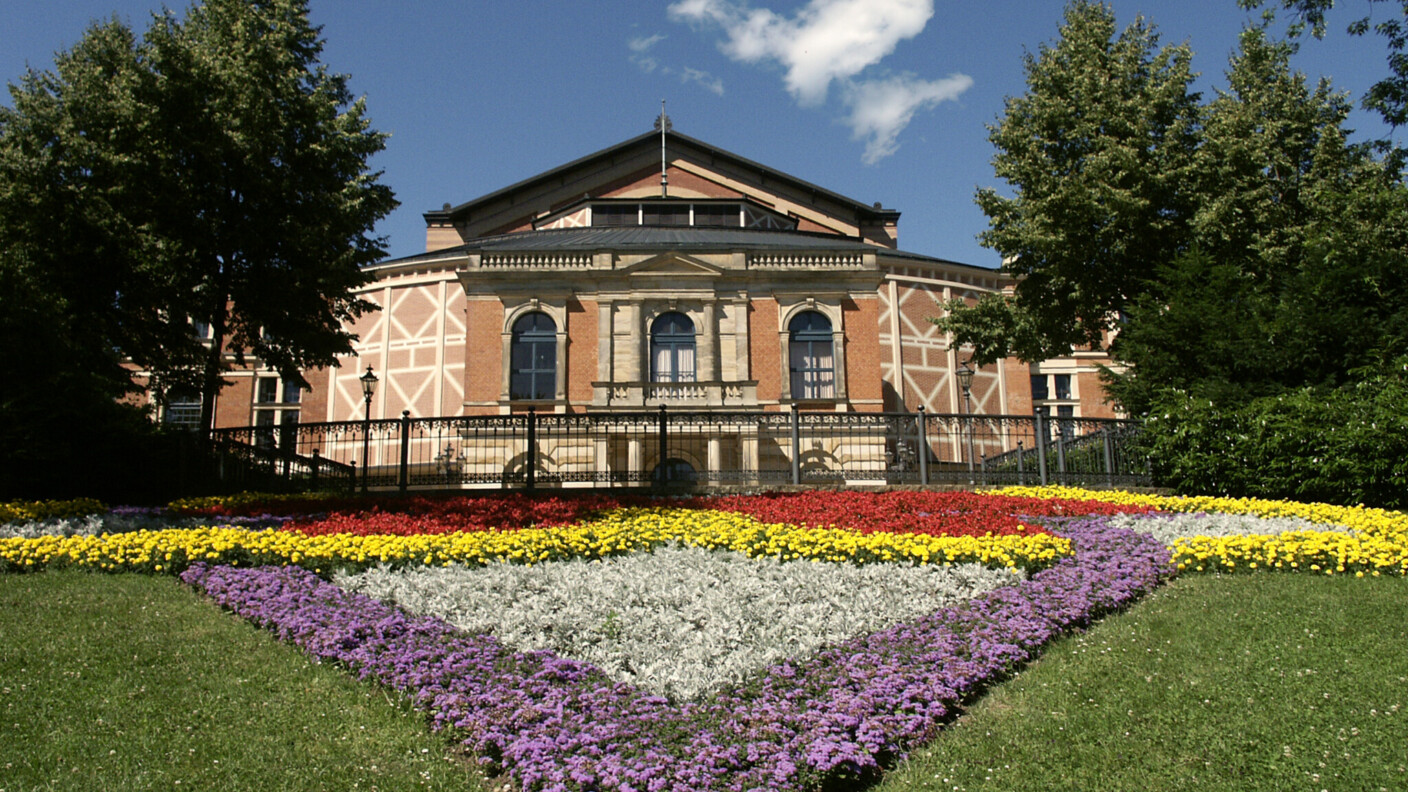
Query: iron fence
678, 448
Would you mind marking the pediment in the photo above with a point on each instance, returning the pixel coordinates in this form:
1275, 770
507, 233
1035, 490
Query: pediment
674, 265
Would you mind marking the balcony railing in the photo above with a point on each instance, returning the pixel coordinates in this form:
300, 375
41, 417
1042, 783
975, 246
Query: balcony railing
682, 447
683, 395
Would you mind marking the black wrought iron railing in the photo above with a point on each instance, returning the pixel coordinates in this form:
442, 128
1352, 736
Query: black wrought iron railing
673, 448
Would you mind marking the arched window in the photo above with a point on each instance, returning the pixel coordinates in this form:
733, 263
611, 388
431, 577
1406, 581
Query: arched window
672, 348
533, 358
811, 356
674, 471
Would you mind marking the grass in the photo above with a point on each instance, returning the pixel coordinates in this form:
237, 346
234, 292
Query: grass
132, 682
1251, 682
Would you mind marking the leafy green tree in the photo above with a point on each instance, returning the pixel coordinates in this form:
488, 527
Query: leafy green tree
1298, 266
1099, 152
74, 201
1389, 96
266, 152
214, 172
1204, 334
1242, 247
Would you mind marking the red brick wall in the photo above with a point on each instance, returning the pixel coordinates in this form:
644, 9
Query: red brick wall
1019, 387
483, 353
582, 351
1092, 396
862, 329
763, 350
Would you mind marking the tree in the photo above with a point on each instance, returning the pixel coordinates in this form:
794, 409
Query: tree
1269, 254
1298, 267
1100, 153
73, 205
267, 152
214, 172
1389, 96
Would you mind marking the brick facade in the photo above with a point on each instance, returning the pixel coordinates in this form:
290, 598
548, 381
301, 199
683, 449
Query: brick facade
738, 249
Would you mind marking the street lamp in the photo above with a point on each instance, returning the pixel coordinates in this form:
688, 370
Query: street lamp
965, 381
369, 382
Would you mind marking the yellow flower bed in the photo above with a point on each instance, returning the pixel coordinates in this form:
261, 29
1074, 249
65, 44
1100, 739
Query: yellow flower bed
25, 511
1378, 546
620, 531
240, 499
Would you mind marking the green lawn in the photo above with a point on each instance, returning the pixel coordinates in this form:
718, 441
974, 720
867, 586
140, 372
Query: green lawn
132, 682
1254, 682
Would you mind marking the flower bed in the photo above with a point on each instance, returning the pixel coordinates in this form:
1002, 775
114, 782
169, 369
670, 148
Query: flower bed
677, 620
29, 511
321, 513
618, 532
933, 513
1349, 540
839, 712
561, 724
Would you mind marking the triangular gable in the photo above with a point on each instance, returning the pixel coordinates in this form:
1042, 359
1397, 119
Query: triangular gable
697, 170
674, 265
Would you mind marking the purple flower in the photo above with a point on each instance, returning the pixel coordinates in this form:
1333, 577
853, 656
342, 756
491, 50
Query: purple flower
558, 724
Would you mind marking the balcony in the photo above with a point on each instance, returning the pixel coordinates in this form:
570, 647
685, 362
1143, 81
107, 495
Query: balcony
697, 395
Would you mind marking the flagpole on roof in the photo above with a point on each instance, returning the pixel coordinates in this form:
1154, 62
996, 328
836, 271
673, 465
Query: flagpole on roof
663, 124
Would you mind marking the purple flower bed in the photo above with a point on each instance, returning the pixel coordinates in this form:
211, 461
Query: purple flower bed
558, 724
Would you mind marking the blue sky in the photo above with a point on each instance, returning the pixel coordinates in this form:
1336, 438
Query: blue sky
879, 100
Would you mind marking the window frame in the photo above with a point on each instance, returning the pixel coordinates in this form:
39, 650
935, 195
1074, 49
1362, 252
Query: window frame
811, 382
279, 404
537, 341
673, 342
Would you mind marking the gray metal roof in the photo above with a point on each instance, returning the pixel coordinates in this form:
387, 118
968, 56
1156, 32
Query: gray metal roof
677, 239
650, 139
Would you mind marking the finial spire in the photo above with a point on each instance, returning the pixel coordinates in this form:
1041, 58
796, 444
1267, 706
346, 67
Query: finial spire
663, 124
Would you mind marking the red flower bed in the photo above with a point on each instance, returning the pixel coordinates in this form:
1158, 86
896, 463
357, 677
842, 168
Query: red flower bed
430, 515
933, 513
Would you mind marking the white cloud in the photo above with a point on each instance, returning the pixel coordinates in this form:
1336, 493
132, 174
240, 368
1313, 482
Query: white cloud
640, 55
643, 43
824, 41
881, 109
639, 47
711, 83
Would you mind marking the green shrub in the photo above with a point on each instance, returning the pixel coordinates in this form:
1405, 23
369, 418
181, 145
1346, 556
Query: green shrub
1344, 446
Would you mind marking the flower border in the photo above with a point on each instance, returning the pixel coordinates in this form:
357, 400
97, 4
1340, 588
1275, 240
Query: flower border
558, 724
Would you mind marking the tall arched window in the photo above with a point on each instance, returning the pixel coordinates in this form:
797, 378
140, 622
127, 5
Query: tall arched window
672, 348
533, 358
811, 356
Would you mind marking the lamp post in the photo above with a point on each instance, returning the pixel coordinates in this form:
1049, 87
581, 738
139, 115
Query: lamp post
369, 382
965, 381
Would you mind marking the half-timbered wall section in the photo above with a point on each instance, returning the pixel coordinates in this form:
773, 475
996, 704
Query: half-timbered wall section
415, 344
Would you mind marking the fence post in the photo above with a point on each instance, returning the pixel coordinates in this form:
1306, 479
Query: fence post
1021, 474
404, 477
1109, 457
1061, 451
317, 462
1039, 418
796, 447
530, 454
664, 452
923, 449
